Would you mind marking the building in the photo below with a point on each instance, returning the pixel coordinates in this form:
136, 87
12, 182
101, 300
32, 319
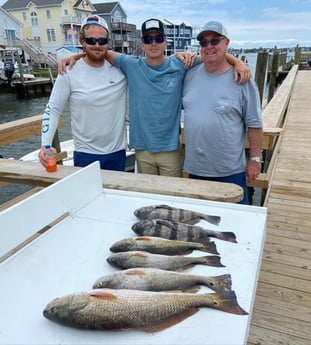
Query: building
179, 36
51, 27
123, 36
49, 24
10, 31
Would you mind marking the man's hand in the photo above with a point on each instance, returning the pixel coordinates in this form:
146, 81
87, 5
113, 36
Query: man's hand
187, 58
69, 61
242, 72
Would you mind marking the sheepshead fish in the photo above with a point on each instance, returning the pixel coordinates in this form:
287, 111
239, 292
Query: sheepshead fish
174, 214
157, 245
154, 279
106, 309
179, 231
166, 262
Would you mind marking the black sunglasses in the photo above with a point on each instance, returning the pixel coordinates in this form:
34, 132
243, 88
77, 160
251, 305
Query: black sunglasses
214, 41
156, 39
92, 41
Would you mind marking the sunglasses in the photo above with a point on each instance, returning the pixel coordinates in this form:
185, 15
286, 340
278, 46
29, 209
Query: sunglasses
214, 42
156, 39
92, 41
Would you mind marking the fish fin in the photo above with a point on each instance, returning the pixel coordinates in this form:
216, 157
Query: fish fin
192, 289
143, 238
167, 207
169, 322
135, 272
103, 294
210, 247
213, 260
227, 301
165, 222
142, 253
212, 219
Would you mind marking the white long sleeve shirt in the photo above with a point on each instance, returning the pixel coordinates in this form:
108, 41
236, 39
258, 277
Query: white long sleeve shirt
98, 106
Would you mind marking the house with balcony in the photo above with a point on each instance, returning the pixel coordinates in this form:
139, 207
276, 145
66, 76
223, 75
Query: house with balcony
123, 36
179, 36
49, 24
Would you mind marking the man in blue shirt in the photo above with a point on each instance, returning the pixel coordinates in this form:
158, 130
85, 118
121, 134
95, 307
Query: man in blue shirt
155, 97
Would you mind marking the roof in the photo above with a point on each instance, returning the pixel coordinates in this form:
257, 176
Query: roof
19, 4
175, 22
106, 7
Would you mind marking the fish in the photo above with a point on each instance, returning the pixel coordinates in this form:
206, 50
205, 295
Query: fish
148, 311
134, 259
174, 214
154, 279
179, 231
157, 245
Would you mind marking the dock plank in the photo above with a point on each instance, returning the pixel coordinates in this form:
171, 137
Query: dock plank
282, 310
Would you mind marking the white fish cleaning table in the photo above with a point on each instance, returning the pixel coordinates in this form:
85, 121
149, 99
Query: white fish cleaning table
70, 254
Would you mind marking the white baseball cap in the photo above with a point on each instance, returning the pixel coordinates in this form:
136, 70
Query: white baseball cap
93, 19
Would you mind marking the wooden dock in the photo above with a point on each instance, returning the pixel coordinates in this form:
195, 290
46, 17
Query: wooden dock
25, 87
282, 312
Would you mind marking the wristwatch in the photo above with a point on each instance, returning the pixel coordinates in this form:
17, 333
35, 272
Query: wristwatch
255, 159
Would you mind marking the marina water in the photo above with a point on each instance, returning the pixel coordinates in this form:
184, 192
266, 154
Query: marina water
12, 109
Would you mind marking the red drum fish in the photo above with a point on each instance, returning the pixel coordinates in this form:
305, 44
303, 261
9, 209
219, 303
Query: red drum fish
106, 309
174, 214
179, 231
154, 279
157, 245
166, 262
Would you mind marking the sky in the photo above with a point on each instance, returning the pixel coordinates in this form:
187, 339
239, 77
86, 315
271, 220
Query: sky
250, 23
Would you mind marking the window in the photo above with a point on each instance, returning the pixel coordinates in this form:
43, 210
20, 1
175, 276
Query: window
34, 19
51, 35
66, 12
48, 14
24, 16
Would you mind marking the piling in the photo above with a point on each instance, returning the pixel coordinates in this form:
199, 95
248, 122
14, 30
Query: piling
260, 74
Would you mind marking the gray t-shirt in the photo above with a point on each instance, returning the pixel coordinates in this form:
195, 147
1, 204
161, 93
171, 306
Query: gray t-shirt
217, 113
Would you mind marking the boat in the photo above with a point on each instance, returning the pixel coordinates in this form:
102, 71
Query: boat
68, 147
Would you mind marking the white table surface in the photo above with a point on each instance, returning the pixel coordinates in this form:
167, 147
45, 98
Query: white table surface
71, 255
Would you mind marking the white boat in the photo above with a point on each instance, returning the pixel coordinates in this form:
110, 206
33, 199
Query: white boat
67, 146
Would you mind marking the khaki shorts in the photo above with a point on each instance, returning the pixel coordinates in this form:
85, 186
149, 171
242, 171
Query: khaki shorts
159, 163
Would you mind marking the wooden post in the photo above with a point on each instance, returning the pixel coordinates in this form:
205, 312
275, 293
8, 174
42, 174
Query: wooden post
297, 55
260, 74
273, 73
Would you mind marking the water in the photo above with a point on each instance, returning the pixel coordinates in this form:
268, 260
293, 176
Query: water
12, 109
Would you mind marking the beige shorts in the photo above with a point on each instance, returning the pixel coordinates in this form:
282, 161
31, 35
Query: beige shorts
159, 163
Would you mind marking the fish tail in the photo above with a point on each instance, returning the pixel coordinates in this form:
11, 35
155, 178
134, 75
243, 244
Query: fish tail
212, 260
212, 219
210, 247
226, 236
219, 283
226, 301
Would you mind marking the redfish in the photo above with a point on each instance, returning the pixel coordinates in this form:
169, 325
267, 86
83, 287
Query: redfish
174, 214
157, 245
166, 262
154, 279
179, 231
106, 309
